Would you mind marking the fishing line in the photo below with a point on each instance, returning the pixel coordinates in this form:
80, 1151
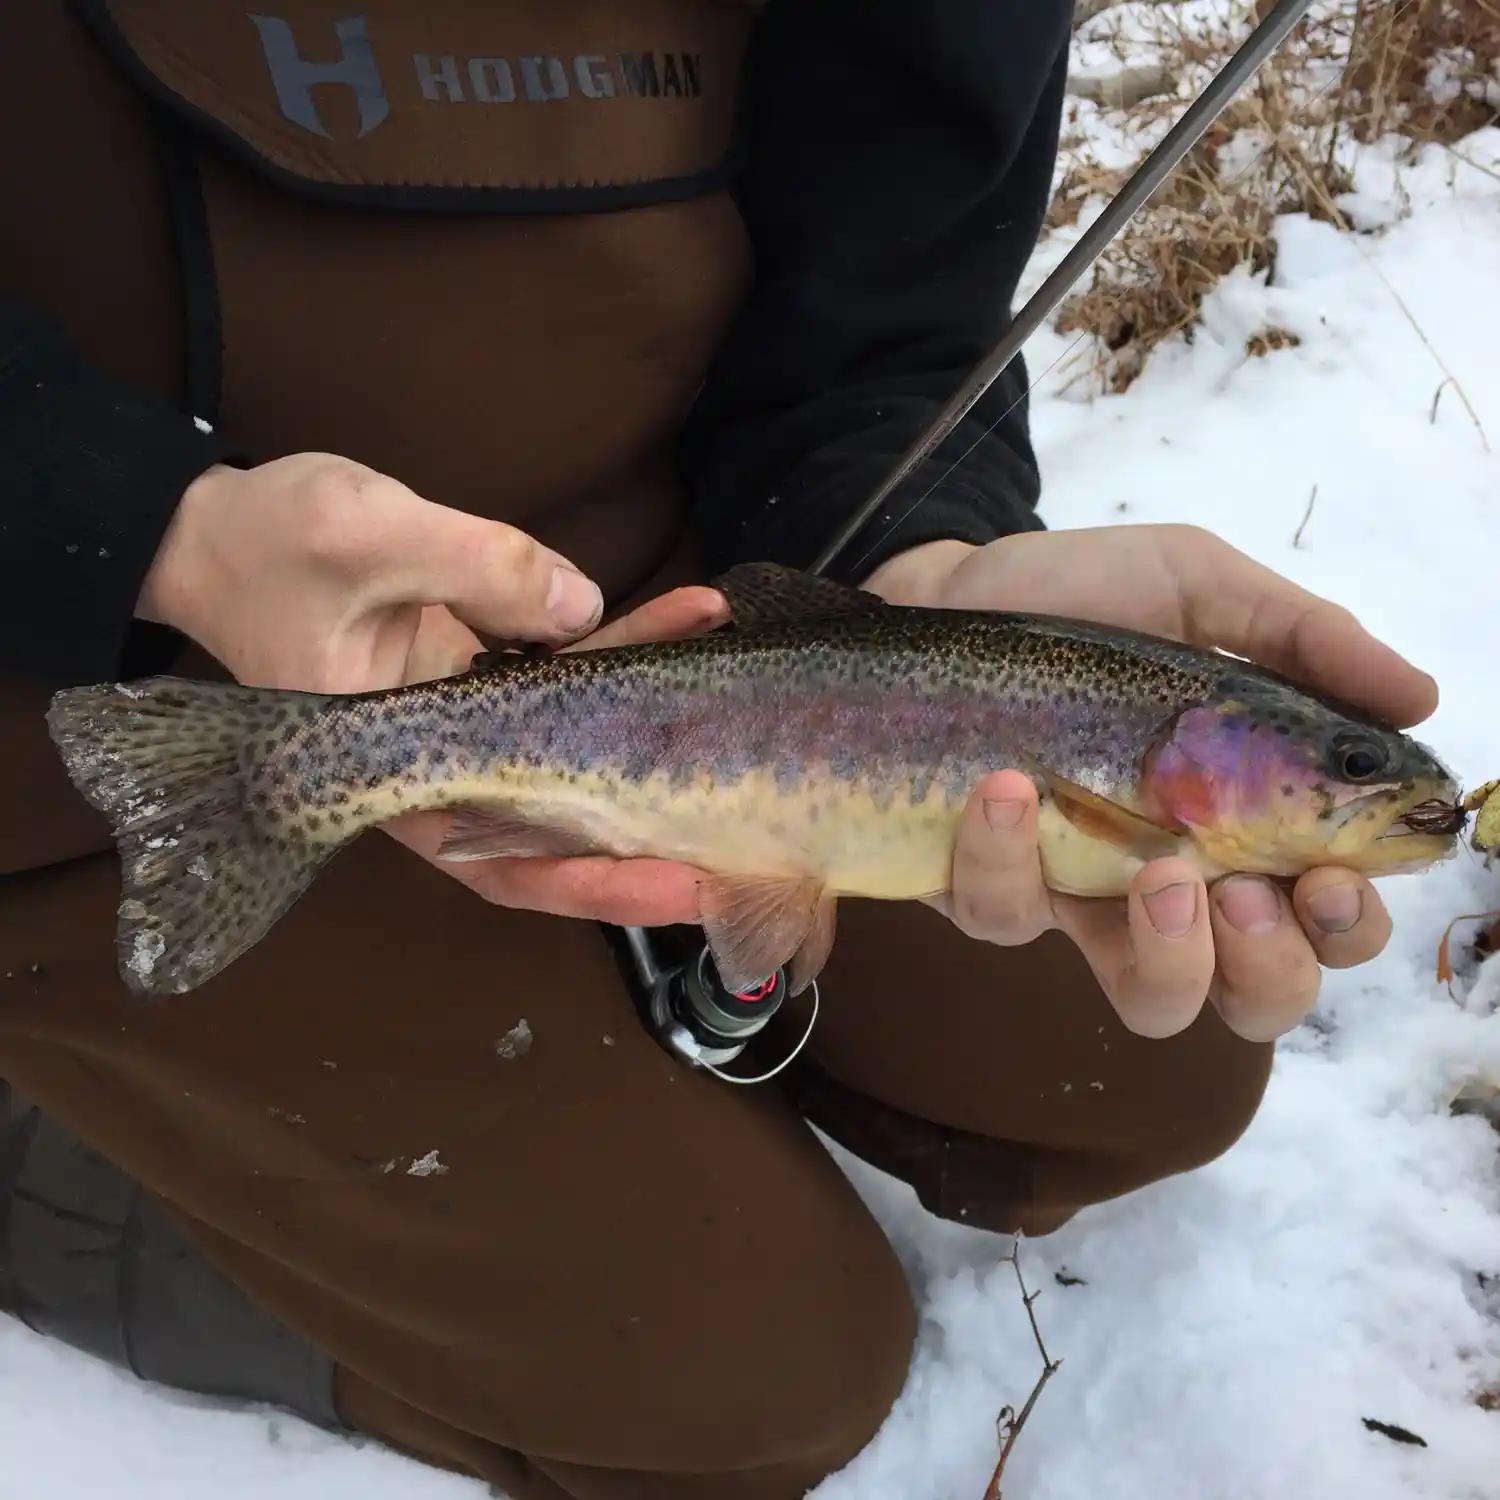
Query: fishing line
962, 458
1143, 183
786, 1062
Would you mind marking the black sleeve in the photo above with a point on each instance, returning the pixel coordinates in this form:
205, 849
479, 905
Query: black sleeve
90, 474
901, 161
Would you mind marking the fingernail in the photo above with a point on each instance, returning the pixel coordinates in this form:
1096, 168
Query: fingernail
1003, 814
1248, 904
1173, 909
573, 601
1336, 908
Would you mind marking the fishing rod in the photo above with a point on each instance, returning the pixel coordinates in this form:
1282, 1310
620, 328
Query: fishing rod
688, 1007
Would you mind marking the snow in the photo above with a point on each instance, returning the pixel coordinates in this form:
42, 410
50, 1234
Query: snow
1232, 1329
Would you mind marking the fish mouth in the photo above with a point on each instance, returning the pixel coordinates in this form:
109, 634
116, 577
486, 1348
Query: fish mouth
1423, 831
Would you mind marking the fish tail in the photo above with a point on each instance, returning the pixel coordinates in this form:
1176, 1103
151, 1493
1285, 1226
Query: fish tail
171, 763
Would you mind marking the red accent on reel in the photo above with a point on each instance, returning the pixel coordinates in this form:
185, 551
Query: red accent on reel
760, 992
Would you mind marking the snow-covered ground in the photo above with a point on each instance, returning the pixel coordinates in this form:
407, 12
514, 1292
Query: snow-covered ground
1238, 1324
1231, 1330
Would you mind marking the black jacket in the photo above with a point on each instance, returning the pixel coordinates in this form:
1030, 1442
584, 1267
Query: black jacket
900, 167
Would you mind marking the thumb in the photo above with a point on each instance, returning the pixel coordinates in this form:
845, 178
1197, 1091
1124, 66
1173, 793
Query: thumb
1232, 601
495, 578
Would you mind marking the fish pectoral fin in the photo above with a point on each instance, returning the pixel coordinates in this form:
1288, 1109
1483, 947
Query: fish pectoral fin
756, 923
766, 593
1102, 819
504, 830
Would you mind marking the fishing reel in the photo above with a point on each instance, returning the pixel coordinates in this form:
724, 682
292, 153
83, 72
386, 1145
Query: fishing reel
689, 1009
691, 1012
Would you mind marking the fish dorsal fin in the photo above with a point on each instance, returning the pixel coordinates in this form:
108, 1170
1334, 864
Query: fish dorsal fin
768, 593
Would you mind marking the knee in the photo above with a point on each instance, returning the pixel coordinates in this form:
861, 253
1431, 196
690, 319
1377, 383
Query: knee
1214, 1109
1170, 1116
762, 1322
832, 1348
1197, 1117
759, 1376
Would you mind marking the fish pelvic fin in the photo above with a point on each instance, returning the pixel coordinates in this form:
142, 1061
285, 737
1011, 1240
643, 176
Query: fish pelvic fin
203, 877
1102, 819
507, 830
755, 924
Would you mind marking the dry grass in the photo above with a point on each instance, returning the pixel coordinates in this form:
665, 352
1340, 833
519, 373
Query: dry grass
1356, 73
1426, 70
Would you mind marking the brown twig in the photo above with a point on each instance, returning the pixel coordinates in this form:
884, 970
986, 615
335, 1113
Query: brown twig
1312, 500
1437, 396
1431, 348
1009, 1423
1445, 970
1318, 192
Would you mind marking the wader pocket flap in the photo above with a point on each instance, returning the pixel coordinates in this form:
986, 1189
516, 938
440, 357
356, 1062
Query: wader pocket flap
500, 105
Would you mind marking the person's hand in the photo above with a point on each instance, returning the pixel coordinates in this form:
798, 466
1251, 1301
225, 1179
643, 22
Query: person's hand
1247, 946
316, 573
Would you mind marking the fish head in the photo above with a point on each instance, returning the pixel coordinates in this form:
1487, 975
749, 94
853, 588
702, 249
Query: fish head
1269, 779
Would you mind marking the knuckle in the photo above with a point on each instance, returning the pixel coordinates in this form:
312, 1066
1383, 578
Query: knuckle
1348, 950
1159, 1010
966, 913
1169, 979
1188, 535
341, 479
507, 549
1270, 995
336, 504
987, 915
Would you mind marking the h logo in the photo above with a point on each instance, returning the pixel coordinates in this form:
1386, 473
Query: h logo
294, 77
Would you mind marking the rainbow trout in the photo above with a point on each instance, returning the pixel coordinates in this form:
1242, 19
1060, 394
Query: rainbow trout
821, 744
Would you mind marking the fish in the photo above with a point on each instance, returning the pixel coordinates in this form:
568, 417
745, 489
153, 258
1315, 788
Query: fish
821, 744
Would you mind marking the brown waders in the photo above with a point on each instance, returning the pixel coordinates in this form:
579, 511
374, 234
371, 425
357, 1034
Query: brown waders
579, 1268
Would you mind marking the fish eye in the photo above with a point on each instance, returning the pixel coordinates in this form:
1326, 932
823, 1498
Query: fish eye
1358, 757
